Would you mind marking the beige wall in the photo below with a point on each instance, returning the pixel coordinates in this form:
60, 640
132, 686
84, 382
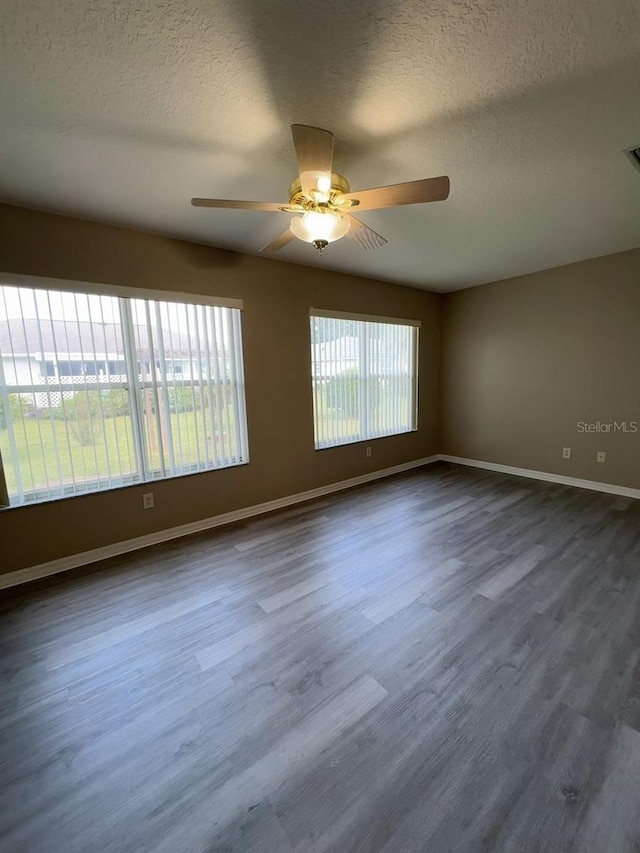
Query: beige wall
277, 297
523, 361
526, 359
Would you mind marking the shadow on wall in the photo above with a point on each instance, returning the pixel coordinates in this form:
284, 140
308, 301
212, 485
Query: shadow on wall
207, 257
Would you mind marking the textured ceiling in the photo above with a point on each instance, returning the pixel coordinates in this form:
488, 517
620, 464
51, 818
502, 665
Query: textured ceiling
120, 111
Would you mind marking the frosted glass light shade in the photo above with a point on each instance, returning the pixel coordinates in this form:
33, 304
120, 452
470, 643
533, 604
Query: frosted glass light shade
317, 225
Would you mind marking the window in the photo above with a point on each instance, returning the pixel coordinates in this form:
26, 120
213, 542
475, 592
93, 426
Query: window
364, 375
98, 390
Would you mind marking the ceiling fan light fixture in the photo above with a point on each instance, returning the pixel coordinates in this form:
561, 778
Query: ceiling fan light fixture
320, 227
323, 199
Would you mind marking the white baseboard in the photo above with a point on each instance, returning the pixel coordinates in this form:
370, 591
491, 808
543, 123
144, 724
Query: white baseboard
84, 558
609, 488
74, 561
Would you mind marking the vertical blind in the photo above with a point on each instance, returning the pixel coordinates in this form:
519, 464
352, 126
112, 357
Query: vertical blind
364, 374
97, 391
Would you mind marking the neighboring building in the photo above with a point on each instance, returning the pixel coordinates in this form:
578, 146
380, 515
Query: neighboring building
54, 353
334, 357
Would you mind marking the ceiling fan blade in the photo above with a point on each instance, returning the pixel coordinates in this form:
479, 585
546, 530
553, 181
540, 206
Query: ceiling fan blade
314, 152
240, 205
364, 236
412, 192
280, 242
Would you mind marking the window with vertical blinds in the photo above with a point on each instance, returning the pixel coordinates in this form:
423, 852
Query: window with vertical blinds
99, 390
364, 377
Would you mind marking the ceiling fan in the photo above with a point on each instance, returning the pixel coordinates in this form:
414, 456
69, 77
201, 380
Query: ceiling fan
322, 200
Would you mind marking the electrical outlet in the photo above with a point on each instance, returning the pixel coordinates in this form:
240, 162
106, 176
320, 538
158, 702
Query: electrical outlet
601, 456
566, 453
367, 451
147, 501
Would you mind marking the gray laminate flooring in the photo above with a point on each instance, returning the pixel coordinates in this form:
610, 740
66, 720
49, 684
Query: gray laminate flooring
444, 661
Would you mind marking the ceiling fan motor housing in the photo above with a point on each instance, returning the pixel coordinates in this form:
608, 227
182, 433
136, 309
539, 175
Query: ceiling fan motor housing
339, 187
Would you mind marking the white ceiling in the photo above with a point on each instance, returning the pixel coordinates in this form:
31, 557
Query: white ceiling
120, 111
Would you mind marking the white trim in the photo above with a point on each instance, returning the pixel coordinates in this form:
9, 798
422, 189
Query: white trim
362, 439
41, 283
593, 485
84, 558
74, 561
365, 318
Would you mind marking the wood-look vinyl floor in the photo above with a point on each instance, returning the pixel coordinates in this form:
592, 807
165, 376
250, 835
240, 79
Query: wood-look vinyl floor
444, 661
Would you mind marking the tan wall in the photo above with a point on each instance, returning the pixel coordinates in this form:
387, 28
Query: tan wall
277, 297
526, 359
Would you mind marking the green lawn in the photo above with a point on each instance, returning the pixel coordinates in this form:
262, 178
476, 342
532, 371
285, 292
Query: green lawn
343, 424
341, 428
51, 455
54, 453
